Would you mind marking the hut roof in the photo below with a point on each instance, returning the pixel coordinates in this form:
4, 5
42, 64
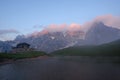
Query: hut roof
23, 44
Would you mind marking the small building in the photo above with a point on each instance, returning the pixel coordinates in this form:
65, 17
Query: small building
22, 47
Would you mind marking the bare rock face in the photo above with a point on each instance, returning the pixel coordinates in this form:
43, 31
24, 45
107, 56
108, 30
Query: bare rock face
53, 40
100, 34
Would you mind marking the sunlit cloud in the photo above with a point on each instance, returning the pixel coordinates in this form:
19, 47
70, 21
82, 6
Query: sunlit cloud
109, 20
57, 28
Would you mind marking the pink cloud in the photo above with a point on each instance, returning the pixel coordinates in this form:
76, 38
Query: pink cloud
63, 27
109, 20
57, 28
38, 33
74, 27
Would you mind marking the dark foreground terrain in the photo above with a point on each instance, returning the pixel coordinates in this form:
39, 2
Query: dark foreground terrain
62, 68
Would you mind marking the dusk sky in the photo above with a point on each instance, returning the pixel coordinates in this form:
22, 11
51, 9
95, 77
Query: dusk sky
26, 16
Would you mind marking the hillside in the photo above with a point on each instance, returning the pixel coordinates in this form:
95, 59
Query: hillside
109, 49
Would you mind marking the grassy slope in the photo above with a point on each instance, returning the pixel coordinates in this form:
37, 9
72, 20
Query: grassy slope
110, 49
21, 55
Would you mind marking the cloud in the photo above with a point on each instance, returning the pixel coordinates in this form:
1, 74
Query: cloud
37, 33
56, 28
109, 20
63, 27
8, 34
8, 31
74, 27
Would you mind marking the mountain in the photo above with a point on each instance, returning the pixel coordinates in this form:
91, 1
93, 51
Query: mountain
109, 49
100, 34
5, 46
53, 40
50, 41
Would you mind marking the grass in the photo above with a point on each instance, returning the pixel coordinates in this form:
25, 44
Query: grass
102, 50
14, 56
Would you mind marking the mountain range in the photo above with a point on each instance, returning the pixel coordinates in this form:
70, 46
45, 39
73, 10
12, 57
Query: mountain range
98, 34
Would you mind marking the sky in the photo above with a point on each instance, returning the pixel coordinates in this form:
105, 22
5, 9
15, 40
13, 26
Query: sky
26, 16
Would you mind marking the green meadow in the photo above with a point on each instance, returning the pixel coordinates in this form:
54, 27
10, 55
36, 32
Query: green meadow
29, 54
